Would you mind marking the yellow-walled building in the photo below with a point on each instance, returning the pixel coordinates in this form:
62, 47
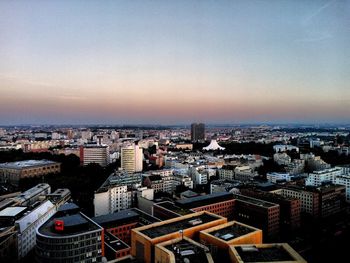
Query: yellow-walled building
143, 239
231, 233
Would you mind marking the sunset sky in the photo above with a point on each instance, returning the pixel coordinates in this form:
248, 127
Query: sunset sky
172, 62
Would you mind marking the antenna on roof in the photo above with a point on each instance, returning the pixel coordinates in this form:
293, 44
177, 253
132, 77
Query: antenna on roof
182, 233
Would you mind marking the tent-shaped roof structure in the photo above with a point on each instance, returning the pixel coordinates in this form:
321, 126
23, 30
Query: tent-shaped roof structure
213, 146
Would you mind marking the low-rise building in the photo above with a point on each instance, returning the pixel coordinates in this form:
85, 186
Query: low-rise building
259, 253
14, 171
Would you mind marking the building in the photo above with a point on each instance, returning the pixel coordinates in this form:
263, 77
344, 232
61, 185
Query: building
282, 158
222, 185
144, 239
197, 132
317, 178
290, 208
309, 200
258, 213
231, 233
15, 171
227, 172
116, 193
345, 181
331, 199
218, 203
23, 213
283, 148
131, 158
27, 225
213, 146
94, 153
184, 146
120, 223
182, 250
244, 173
281, 253
279, 177
69, 236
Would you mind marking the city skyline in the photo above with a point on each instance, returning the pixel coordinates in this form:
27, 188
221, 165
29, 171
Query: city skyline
174, 62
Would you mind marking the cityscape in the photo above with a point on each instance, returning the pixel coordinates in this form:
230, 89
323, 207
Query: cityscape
174, 131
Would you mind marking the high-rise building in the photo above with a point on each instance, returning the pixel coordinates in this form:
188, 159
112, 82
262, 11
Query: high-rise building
93, 153
197, 132
132, 158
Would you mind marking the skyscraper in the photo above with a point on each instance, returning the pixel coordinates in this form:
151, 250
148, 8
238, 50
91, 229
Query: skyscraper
131, 158
197, 132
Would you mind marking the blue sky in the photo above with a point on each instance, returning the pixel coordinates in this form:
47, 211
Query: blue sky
174, 61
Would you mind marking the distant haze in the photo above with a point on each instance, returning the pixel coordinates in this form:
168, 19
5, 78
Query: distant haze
168, 62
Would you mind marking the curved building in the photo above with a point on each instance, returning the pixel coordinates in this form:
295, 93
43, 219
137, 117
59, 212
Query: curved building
69, 236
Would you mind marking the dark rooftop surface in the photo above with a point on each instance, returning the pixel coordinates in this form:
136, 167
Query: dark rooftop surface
185, 249
113, 242
73, 225
172, 207
253, 200
117, 218
232, 232
271, 254
204, 200
176, 226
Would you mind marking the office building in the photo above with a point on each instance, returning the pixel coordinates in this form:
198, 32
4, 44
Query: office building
290, 208
258, 213
69, 236
14, 171
131, 158
197, 132
93, 153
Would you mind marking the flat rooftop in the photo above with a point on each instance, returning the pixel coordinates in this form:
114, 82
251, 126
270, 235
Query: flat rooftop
263, 254
176, 226
73, 225
232, 231
185, 249
124, 216
114, 243
172, 207
254, 201
12, 211
26, 164
204, 200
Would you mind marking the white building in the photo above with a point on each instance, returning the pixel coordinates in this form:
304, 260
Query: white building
283, 148
131, 158
213, 146
345, 181
92, 153
275, 177
328, 175
116, 198
28, 224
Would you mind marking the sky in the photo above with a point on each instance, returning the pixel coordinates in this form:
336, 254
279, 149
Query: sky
174, 62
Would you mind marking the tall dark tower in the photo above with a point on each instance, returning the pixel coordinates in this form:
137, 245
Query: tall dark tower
197, 132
